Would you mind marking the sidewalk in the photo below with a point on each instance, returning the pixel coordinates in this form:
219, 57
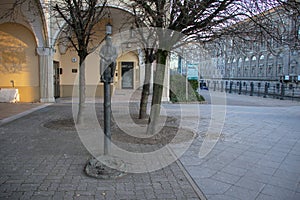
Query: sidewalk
10, 109
257, 153
256, 156
42, 163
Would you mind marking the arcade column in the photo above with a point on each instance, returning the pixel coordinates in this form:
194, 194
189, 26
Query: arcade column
46, 75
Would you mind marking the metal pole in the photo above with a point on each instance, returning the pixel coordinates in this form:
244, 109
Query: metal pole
107, 116
266, 90
108, 56
186, 81
186, 89
282, 92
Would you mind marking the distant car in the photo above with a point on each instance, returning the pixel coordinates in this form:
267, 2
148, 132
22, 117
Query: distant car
204, 88
203, 85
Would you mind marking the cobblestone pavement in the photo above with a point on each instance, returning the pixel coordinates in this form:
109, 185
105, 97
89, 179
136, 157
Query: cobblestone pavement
41, 163
257, 155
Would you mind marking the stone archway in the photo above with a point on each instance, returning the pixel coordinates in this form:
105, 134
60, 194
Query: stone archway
19, 66
30, 15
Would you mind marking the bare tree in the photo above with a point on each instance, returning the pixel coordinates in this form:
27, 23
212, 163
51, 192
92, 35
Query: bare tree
149, 59
81, 16
177, 20
148, 43
12, 11
203, 21
265, 23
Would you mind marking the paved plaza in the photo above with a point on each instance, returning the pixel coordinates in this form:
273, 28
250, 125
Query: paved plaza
255, 154
42, 163
258, 152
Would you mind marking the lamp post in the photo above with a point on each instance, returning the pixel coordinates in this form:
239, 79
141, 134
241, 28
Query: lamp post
108, 56
106, 166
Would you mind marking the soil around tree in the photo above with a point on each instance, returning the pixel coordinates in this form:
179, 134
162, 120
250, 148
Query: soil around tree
169, 133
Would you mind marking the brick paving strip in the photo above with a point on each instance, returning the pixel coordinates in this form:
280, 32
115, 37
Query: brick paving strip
12, 111
41, 163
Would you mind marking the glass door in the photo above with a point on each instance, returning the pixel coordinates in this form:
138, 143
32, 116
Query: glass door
56, 72
127, 75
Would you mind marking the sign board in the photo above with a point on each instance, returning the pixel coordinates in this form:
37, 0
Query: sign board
192, 73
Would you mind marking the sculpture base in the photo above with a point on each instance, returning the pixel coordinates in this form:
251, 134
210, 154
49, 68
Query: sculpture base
105, 167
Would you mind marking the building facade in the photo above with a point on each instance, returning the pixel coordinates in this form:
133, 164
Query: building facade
33, 60
262, 66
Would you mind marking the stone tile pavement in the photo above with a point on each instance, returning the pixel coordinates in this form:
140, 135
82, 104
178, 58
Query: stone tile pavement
41, 163
257, 155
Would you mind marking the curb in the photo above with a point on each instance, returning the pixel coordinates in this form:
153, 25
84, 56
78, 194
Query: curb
198, 191
22, 114
195, 187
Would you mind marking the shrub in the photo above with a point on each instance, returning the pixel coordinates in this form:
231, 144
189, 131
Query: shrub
178, 89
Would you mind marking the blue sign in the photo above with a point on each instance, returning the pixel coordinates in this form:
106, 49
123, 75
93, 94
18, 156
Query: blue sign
192, 73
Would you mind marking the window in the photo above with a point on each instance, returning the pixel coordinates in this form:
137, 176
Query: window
280, 69
262, 44
246, 71
260, 73
261, 57
292, 69
253, 70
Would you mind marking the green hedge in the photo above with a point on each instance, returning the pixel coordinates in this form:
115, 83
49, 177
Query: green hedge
178, 89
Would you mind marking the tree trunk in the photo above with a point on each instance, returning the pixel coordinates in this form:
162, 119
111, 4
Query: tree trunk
81, 88
157, 91
146, 88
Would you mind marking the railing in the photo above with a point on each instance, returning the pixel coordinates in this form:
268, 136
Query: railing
279, 91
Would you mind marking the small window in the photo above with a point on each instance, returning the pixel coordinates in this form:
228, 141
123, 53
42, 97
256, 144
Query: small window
262, 57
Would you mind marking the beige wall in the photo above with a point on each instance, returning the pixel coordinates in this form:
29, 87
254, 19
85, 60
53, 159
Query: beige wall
70, 61
19, 61
93, 86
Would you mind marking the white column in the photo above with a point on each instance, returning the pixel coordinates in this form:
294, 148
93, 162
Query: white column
46, 74
142, 67
166, 89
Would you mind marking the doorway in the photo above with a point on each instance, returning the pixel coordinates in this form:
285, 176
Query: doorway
56, 72
127, 75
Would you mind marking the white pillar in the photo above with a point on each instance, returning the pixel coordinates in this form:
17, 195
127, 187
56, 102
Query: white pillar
141, 67
166, 88
46, 74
